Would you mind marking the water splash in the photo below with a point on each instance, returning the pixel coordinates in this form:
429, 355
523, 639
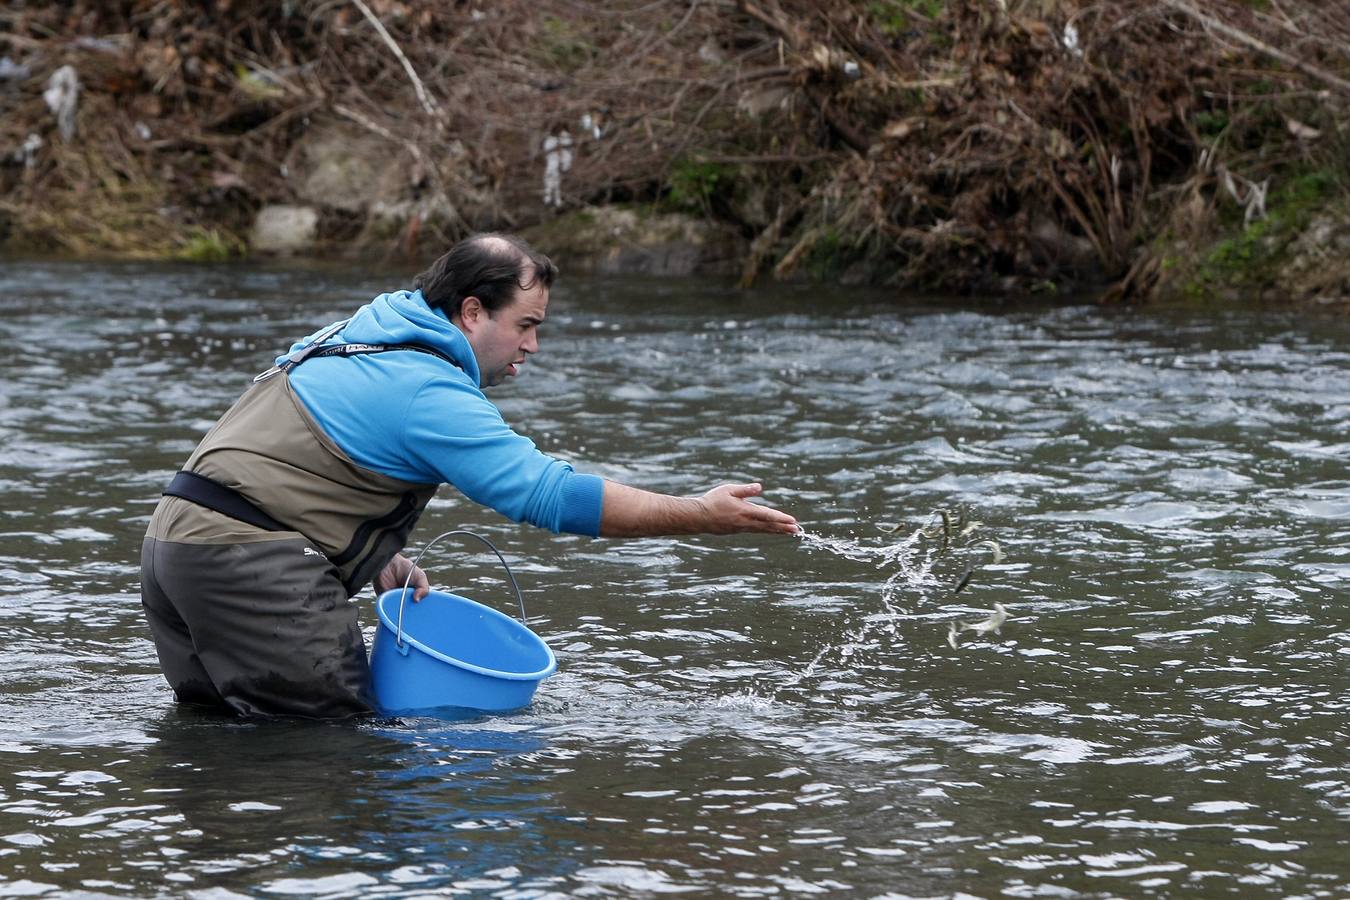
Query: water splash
911, 580
912, 562
909, 563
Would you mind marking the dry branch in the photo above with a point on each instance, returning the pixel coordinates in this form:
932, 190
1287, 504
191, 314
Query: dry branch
422, 96
1257, 44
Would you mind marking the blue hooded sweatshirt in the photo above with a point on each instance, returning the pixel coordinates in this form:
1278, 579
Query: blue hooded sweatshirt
415, 417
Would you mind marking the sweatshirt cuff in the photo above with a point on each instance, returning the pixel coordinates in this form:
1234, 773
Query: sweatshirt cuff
580, 504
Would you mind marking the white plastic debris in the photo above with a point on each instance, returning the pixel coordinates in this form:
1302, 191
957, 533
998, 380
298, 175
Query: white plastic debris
557, 160
1250, 195
12, 71
1301, 131
1071, 40
1256, 205
28, 152
62, 96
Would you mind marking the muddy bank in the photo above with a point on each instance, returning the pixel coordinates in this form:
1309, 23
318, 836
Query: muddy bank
1168, 149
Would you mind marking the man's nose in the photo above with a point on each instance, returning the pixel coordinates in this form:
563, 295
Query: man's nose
531, 342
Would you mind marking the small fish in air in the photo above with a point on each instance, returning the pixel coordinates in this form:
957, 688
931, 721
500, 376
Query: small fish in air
992, 624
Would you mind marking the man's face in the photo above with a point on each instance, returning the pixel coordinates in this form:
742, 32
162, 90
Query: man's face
503, 339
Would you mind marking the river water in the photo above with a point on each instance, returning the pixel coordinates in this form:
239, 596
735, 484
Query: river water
1165, 711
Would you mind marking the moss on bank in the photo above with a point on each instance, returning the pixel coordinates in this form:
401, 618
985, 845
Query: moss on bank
210, 245
1298, 250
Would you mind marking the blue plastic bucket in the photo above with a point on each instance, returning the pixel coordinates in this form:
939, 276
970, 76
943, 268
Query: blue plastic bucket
447, 652
455, 653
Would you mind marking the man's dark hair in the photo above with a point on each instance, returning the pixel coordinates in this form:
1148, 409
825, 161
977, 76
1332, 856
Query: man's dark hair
491, 267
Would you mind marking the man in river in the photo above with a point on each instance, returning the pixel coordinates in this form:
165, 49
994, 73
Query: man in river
308, 487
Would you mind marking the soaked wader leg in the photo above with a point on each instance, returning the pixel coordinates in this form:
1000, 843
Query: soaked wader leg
177, 657
269, 622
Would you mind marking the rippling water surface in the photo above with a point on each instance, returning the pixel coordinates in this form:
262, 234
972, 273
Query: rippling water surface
1165, 712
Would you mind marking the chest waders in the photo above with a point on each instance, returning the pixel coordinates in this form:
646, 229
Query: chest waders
256, 548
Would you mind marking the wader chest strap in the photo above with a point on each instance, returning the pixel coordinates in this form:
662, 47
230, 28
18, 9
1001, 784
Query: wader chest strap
225, 500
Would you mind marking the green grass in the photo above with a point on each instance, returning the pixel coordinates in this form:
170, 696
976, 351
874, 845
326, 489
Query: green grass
209, 245
828, 256
896, 17
1211, 122
564, 45
693, 183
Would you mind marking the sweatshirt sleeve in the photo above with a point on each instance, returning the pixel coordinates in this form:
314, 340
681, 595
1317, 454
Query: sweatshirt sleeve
455, 432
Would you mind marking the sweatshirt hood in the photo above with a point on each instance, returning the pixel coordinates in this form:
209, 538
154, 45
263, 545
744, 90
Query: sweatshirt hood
403, 317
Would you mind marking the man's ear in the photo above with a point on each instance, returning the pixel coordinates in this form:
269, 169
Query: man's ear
471, 311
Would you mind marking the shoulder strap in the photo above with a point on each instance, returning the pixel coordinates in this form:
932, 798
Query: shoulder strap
357, 349
313, 350
300, 355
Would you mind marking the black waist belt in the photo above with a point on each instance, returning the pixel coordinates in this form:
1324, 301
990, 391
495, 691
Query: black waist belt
224, 500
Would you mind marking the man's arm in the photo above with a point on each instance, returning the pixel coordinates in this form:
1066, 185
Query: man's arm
631, 512
726, 509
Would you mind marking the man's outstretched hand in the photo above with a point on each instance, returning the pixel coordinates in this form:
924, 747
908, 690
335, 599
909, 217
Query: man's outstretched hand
396, 573
731, 512
726, 509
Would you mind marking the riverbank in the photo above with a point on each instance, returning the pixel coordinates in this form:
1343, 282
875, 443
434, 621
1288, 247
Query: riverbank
1164, 151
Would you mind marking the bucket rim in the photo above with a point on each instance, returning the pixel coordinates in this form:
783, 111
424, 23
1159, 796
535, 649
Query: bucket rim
387, 622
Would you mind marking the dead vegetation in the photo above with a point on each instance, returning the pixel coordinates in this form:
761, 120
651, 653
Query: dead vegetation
971, 145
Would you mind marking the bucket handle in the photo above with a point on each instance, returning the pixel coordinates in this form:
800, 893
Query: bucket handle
398, 637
